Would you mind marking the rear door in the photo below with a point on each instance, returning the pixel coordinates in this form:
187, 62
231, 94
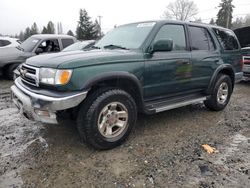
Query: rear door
205, 56
169, 72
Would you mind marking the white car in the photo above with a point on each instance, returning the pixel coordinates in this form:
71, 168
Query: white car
9, 42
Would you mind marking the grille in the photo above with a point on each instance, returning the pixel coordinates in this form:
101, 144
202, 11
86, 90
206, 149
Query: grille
29, 75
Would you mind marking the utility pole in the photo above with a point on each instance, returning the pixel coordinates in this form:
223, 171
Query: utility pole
100, 23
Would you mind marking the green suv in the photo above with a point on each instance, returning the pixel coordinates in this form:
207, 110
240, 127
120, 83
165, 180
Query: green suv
145, 67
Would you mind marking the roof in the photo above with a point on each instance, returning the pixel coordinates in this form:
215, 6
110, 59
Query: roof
180, 22
48, 36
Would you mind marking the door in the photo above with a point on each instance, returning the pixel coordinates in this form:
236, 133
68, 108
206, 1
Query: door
166, 72
205, 57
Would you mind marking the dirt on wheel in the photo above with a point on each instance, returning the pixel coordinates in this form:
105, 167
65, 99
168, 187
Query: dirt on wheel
164, 150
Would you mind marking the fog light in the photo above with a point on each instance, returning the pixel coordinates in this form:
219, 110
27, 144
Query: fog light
42, 113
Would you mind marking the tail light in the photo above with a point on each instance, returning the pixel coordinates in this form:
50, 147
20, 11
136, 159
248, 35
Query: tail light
246, 60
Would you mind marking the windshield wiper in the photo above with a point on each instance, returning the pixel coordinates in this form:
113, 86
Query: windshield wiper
95, 47
113, 46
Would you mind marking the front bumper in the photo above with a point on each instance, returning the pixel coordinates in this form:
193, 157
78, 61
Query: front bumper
41, 107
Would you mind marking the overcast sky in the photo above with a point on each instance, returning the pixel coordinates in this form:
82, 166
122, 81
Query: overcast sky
16, 15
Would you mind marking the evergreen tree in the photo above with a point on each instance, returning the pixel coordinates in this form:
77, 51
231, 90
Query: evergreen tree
70, 33
34, 29
239, 22
97, 30
212, 22
85, 28
50, 28
44, 31
27, 33
21, 36
224, 16
247, 20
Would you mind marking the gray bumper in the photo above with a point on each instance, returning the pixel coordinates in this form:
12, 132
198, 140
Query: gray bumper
40, 107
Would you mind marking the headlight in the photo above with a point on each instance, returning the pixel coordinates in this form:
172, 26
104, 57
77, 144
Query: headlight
54, 76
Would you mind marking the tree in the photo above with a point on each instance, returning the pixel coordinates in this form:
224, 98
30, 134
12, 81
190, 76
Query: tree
97, 30
198, 20
21, 36
239, 22
50, 28
85, 28
70, 33
44, 31
212, 22
247, 20
225, 14
27, 33
181, 10
34, 29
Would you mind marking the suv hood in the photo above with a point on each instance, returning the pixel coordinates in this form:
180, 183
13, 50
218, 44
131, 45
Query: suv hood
70, 60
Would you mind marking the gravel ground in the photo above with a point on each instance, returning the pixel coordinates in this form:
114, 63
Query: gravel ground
164, 150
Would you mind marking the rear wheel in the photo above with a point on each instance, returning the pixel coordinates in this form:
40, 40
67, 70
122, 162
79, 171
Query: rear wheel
221, 93
105, 120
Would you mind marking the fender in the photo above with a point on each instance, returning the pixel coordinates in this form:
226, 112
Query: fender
222, 67
116, 75
3, 64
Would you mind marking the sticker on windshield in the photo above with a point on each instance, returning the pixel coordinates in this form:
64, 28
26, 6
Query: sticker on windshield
148, 24
35, 40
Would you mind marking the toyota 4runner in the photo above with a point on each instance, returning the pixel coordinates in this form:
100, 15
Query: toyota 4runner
145, 67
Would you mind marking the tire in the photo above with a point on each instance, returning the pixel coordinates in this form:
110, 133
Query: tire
99, 114
9, 72
221, 93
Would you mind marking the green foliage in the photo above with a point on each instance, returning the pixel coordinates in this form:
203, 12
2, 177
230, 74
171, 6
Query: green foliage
21, 36
86, 29
27, 33
34, 29
212, 22
50, 29
70, 33
224, 16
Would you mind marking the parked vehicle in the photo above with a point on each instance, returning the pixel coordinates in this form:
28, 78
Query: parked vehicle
145, 67
80, 45
243, 35
10, 58
6, 42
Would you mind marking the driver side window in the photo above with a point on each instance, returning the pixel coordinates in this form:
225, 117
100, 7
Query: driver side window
173, 32
49, 46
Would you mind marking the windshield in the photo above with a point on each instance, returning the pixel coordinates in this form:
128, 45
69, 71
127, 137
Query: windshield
75, 46
128, 36
29, 44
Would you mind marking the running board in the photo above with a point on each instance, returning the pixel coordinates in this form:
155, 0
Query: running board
180, 104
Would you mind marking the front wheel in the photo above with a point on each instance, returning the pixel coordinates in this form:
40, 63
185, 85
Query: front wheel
106, 119
221, 93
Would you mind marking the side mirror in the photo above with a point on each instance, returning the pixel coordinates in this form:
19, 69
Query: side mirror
164, 45
39, 51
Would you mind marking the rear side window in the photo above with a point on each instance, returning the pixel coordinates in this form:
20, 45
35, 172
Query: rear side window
175, 33
227, 39
4, 43
201, 39
67, 42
